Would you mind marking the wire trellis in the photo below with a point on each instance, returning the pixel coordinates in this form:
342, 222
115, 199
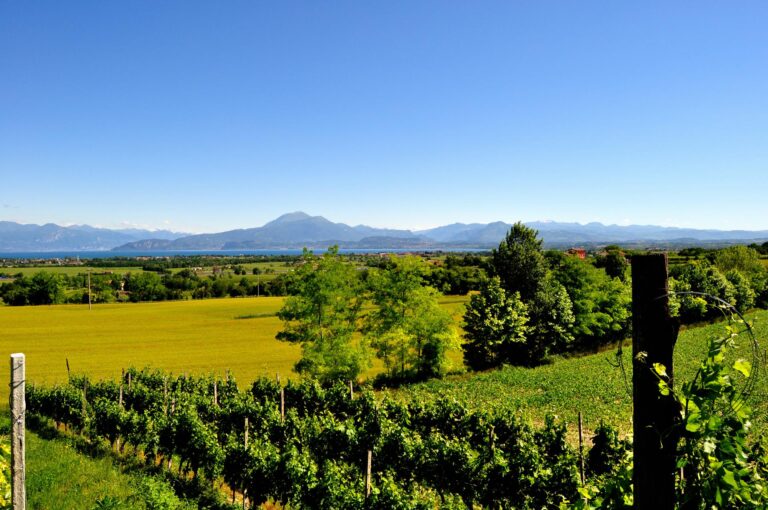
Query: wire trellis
732, 316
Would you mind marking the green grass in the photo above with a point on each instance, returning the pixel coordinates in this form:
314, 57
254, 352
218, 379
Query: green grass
590, 384
60, 477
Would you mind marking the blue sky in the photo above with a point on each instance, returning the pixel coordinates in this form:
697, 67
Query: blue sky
208, 116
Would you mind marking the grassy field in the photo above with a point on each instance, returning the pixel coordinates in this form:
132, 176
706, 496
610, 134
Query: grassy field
60, 477
68, 270
181, 336
591, 384
203, 336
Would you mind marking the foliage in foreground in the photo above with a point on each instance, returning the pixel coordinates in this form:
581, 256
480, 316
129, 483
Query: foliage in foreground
719, 465
424, 454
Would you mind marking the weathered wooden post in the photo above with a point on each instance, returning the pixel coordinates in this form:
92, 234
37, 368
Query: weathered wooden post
120, 395
18, 408
581, 450
654, 334
89, 288
368, 475
282, 404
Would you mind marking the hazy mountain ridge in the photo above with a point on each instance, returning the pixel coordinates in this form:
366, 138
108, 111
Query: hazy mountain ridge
18, 237
299, 230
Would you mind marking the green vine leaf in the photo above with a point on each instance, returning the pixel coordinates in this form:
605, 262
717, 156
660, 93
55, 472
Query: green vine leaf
743, 366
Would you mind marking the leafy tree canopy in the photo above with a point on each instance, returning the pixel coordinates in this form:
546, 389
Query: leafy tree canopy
322, 316
519, 262
409, 330
495, 326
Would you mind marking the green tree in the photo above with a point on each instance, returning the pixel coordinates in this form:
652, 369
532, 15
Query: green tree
601, 303
146, 286
743, 294
552, 320
495, 326
519, 262
741, 258
701, 277
322, 315
615, 264
45, 288
409, 330
747, 261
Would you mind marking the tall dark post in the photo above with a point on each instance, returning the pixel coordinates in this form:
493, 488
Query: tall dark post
654, 334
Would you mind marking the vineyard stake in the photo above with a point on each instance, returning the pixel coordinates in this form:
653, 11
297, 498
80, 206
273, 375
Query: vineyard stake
68, 373
351, 391
368, 475
165, 395
18, 409
492, 436
89, 289
246, 432
654, 334
129, 382
581, 449
282, 404
122, 378
85, 406
215, 394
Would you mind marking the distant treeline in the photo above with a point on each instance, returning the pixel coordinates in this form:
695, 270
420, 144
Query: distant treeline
47, 288
458, 274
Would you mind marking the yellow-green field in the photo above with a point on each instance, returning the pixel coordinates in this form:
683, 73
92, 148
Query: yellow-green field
180, 336
68, 270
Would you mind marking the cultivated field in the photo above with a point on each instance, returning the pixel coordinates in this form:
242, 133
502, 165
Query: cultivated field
68, 270
180, 336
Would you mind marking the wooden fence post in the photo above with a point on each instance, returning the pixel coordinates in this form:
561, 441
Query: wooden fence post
581, 449
654, 334
18, 408
282, 404
368, 475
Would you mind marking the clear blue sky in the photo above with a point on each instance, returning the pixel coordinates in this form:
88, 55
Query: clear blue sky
207, 116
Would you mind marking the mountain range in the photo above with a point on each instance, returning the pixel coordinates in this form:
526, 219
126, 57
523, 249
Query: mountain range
298, 230
17, 237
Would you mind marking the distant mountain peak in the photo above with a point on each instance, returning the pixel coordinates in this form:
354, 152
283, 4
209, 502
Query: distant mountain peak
291, 217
